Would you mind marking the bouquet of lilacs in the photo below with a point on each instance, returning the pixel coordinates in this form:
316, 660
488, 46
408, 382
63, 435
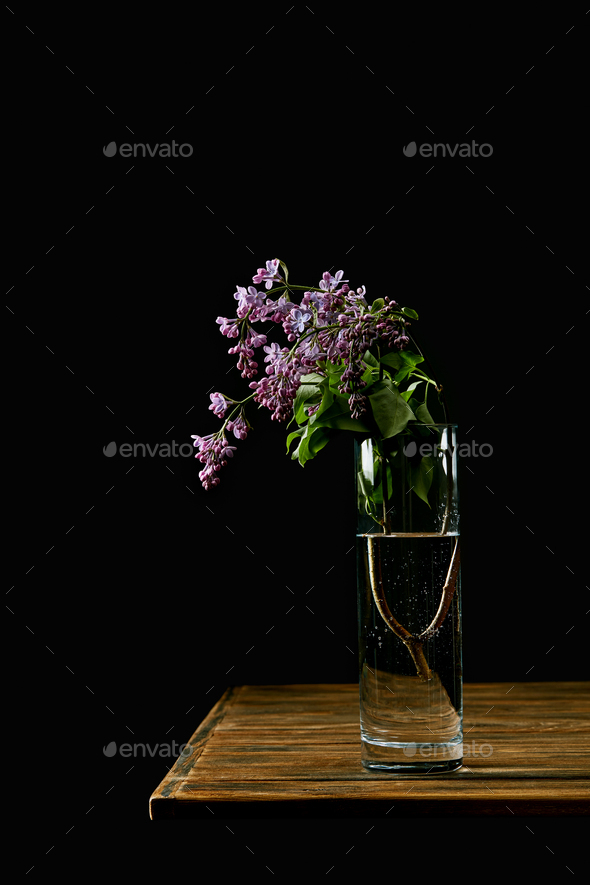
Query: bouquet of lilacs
346, 366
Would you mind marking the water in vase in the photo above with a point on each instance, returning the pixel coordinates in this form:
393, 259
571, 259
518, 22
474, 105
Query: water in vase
409, 723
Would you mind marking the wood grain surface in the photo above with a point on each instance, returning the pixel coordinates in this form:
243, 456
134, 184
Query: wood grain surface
294, 751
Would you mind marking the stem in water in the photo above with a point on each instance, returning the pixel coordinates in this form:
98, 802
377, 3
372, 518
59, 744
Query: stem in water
413, 643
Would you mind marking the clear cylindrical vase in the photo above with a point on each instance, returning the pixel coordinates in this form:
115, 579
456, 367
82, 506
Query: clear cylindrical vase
409, 601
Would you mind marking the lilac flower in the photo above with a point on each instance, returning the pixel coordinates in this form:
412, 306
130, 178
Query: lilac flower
228, 327
255, 339
357, 404
309, 354
278, 310
240, 426
213, 453
314, 298
335, 346
330, 283
270, 274
298, 320
278, 392
273, 352
200, 441
247, 298
315, 354
218, 404
247, 366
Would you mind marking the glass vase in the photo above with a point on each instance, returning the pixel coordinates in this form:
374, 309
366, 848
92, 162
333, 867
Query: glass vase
409, 601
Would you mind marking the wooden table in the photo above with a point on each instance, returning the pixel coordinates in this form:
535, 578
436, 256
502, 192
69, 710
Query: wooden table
294, 751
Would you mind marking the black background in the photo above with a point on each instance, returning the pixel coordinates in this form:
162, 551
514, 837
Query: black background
132, 597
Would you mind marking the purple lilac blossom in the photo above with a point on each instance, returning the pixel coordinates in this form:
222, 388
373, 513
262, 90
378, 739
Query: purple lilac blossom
310, 355
277, 392
228, 327
270, 274
294, 323
314, 298
255, 339
247, 298
277, 310
240, 426
347, 330
218, 404
330, 283
213, 453
272, 353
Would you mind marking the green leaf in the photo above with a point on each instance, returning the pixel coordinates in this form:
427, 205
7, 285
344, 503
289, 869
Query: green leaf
368, 475
327, 400
378, 492
313, 440
421, 477
334, 368
370, 376
335, 380
403, 374
423, 415
408, 361
313, 378
307, 394
392, 359
300, 453
365, 489
293, 435
390, 410
317, 440
411, 359
410, 313
338, 417
370, 360
365, 496
377, 304
284, 266
347, 422
411, 388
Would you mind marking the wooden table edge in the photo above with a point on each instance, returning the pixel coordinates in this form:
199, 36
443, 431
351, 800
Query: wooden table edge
165, 804
319, 806
163, 794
